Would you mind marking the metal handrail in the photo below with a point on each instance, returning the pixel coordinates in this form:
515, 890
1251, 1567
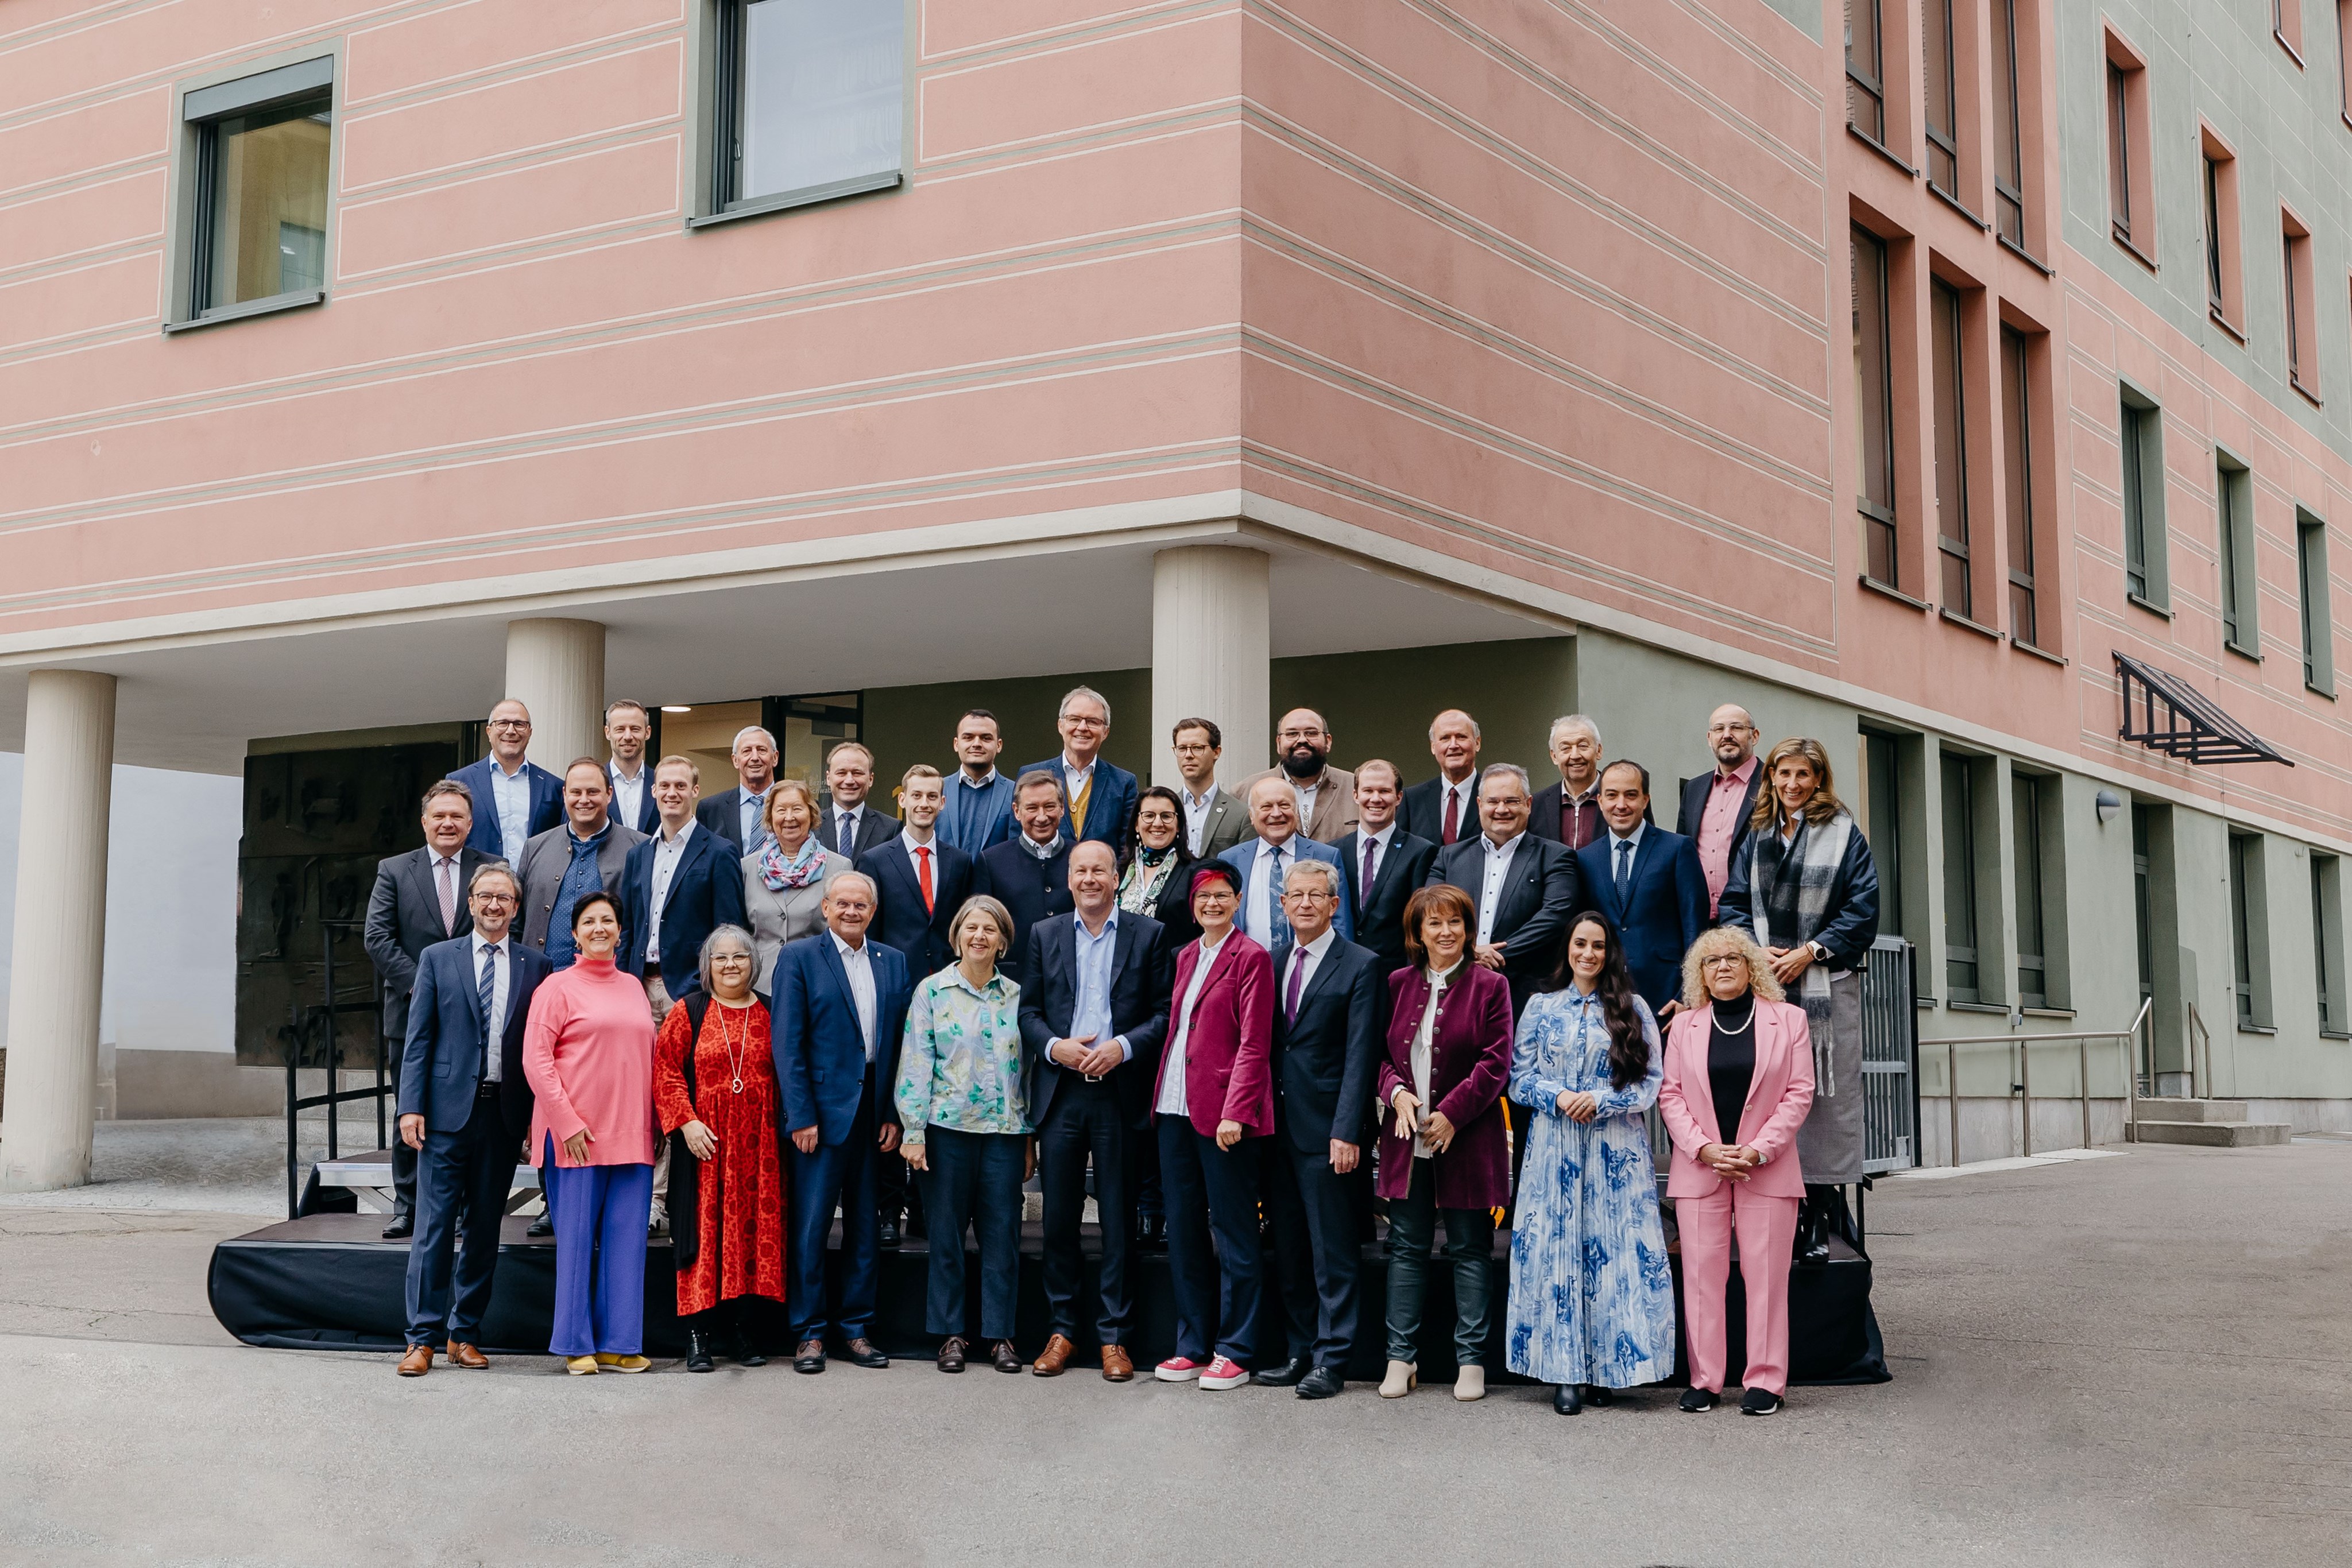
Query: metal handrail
2201, 1084
2025, 1043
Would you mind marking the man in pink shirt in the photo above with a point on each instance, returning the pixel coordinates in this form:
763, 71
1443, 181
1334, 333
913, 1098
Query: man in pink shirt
1717, 806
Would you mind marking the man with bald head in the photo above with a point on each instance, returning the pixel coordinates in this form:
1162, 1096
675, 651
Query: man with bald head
1717, 805
740, 815
1094, 1009
1263, 864
515, 800
1326, 795
1444, 810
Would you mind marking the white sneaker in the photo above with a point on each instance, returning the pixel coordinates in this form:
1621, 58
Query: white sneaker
1402, 1375
1470, 1383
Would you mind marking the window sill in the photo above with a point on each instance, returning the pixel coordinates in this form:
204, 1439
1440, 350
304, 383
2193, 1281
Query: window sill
250, 310
2318, 690
2334, 1034
2243, 652
788, 201
1957, 205
2309, 396
1891, 591
2047, 1012
1978, 627
2226, 325
1873, 142
2257, 1029
2150, 605
1977, 1008
2032, 261
2133, 251
2059, 659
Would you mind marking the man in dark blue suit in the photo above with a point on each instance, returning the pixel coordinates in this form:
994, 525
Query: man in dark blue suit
1382, 865
514, 799
740, 815
1326, 1054
465, 1105
1094, 1010
977, 813
1098, 797
840, 1007
1030, 871
627, 729
677, 888
1649, 885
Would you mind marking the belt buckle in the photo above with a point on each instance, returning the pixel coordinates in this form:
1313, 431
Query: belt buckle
1094, 1077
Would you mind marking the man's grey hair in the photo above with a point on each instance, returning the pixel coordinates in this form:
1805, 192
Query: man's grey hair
1505, 771
1475, 733
873, 890
1298, 801
1324, 869
748, 730
721, 937
1573, 721
494, 868
1083, 694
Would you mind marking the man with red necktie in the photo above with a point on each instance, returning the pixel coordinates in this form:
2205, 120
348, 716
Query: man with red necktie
1444, 810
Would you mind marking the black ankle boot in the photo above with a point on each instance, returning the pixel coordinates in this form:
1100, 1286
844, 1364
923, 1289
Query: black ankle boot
1812, 1231
697, 1351
736, 1344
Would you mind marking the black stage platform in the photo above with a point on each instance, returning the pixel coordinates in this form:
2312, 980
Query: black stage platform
331, 1281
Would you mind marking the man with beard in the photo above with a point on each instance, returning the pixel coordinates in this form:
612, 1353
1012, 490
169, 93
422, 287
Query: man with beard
1717, 805
1326, 795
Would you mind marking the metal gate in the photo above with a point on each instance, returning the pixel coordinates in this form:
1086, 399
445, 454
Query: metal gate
1890, 1058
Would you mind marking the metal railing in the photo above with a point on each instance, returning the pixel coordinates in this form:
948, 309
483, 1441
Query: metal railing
330, 1008
2200, 1045
2024, 1087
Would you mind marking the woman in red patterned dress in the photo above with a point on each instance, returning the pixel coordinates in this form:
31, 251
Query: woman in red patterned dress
715, 1095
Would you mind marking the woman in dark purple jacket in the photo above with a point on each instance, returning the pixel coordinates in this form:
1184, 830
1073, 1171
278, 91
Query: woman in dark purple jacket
1449, 1052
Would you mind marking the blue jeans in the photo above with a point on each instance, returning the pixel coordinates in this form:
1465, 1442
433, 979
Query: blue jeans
600, 1255
1220, 1288
974, 1180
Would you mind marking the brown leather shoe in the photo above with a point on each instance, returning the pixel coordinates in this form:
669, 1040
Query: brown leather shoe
1117, 1366
951, 1353
1054, 1357
460, 1353
417, 1361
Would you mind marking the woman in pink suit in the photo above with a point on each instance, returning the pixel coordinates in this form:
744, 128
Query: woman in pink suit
1216, 1089
1738, 1081
1449, 1054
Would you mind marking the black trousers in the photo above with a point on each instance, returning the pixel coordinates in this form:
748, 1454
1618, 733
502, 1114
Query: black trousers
1290, 1251
1330, 1204
1083, 1127
974, 1182
895, 1193
404, 1158
466, 1176
1214, 1253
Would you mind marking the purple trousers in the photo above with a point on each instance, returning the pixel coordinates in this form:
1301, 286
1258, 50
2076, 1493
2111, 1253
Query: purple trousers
600, 1214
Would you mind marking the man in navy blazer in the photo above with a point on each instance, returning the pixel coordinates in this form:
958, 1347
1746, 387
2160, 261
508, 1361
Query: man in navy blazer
514, 799
1030, 871
840, 1007
677, 888
465, 1105
1094, 1011
911, 919
1263, 864
849, 824
740, 814
1382, 865
627, 729
1098, 797
976, 811
1327, 1046
1648, 882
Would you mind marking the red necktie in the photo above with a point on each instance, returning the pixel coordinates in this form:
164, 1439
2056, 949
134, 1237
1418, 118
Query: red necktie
1453, 808
923, 874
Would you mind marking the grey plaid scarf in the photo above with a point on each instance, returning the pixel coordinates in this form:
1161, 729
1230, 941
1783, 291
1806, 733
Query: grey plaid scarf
1790, 888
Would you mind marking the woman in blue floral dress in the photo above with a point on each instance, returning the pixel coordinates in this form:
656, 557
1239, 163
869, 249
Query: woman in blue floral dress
1591, 1305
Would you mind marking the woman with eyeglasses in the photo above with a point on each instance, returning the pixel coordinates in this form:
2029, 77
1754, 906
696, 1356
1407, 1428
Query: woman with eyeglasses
785, 879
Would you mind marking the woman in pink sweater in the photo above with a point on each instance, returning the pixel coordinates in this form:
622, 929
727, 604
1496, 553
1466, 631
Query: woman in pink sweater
588, 1050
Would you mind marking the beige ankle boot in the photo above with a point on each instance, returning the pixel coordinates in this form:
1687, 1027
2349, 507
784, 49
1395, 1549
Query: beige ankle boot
1402, 1375
1470, 1383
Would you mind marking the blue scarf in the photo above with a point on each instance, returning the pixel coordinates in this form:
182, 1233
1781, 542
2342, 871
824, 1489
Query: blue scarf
580, 879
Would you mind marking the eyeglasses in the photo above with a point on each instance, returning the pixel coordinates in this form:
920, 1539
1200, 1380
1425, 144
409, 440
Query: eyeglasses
509, 723
1712, 960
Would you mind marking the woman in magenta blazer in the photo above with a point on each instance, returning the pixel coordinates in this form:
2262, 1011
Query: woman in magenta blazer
1449, 1054
1216, 1090
1738, 1082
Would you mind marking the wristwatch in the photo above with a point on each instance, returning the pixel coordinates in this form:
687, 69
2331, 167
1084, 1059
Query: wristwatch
1821, 954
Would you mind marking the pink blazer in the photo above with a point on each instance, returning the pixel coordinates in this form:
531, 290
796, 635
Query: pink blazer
1228, 1053
1777, 1099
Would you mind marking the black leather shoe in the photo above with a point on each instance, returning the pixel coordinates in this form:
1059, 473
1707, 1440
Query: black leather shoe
1321, 1384
951, 1353
1289, 1375
401, 1227
1759, 1402
543, 1227
889, 1236
697, 1351
1007, 1358
810, 1357
1567, 1400
1596, 1396
1154, 1236
861, 1353
1698, 1399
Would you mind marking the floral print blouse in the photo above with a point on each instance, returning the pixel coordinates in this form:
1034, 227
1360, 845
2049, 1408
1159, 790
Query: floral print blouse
960, 1065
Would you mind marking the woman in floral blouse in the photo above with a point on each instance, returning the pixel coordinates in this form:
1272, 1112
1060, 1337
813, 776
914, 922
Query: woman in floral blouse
962, 1097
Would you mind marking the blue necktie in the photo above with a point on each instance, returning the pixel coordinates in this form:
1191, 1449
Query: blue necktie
488, 991
1280, 923
1624, 870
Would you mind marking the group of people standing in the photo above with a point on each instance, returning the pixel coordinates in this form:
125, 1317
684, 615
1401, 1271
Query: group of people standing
1239, 1020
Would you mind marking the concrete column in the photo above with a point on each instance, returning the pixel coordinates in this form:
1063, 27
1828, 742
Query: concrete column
1210, 652
58, 958
556, 669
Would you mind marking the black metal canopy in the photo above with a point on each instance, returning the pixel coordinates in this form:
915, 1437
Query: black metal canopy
2165, 713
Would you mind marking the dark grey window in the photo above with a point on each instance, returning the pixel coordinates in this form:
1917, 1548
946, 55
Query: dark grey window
2234, 499
2008, 132
810, 101
263, 146
2119, 153
2142, 428
2249, 930
1866, 72
2327, 940
1886, 832
1947, 355
2017, 459
1873, 392
2030, 797
1961, 971
1943, 96
2318, 625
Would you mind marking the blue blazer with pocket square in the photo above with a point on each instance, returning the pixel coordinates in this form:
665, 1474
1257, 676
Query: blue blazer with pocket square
441, 1063
819, 1049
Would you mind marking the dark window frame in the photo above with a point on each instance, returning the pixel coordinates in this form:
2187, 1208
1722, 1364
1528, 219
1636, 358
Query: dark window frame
2009, 166
276, 94
1947, 333
1872, 81
724, 128
1963, 961
2017, 456
2240, 587
1881, 525
2316, 605
1943, 141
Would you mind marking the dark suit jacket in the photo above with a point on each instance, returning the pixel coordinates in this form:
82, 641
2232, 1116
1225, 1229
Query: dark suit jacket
972, 819
706, 892
1138, 1008
1543, 814
1327, 1062
1032, 889
649, 814
546, 804
403, 918
1666, 911
821, 1066
1174, 908
1422, 812
1111, 804
723, 814
1694, 808
441, 1066
875, 828
901, 921
549, 855
1380, 920
1530, 912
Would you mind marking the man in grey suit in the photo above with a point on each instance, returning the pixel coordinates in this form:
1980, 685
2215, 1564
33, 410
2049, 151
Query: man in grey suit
419, 899
582, 856
1214, 819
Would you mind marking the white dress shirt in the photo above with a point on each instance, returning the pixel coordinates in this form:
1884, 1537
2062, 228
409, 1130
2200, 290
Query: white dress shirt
501, 970
1465, 808
1499, 868
447, 873
1173, 1100
1196, 816
668, 853
1380, 841
1634, 839
628, 791
1422, 1037
844, 828
753, 819
511, 797
860, 965
1265, 888
1306, 958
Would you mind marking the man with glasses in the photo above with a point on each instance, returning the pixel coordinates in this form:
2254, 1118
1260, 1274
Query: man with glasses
1215, 820
514, 799
1717, 805
1326, 795
1098, 797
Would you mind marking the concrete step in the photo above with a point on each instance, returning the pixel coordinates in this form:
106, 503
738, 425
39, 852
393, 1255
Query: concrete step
2210, 1134
2183, 1110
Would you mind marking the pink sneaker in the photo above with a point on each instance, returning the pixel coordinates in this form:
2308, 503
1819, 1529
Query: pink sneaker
1223, 1372
1177, 1369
